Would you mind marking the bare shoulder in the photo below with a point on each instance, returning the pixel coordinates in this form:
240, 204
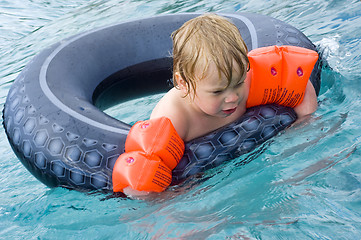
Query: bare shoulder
168, 105
172, 106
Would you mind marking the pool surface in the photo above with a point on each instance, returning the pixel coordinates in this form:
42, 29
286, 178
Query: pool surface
304, 183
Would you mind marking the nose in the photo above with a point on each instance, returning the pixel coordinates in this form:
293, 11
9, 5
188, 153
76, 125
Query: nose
232, 97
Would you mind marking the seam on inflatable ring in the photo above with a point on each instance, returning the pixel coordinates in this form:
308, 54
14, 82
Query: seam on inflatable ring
50, 95
250, 26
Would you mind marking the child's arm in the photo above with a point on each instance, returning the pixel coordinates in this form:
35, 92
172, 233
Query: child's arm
309, 103
281, 75
152, 150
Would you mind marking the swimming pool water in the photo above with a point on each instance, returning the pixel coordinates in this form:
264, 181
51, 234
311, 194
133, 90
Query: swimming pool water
303, 184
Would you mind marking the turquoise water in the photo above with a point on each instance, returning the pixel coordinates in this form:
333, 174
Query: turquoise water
304, 184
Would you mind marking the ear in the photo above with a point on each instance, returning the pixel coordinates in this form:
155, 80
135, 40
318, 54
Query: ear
248, 77
181, 83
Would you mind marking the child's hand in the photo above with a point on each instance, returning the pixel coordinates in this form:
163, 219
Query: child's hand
130, 192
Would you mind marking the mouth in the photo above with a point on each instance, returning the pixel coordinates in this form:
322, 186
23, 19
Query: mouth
230, 111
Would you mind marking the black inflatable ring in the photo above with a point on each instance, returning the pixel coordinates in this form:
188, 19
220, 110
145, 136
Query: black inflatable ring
53, 113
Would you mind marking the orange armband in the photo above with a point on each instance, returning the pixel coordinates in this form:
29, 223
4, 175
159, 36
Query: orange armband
153, 149
156, 136
279, 74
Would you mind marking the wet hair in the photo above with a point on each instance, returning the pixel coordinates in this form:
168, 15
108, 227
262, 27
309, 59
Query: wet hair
204, 39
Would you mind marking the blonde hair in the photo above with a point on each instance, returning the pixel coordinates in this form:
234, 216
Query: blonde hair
206, 38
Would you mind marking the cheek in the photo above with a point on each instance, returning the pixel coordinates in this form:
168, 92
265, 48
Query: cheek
209, 103
245, 93
214, 104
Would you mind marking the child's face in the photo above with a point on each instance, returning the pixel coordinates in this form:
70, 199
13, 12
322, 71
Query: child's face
214, 98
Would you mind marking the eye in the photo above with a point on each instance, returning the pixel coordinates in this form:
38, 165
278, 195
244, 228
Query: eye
238, 85
218, 92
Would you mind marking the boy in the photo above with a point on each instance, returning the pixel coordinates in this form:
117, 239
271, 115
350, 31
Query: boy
211, 90
210, 78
